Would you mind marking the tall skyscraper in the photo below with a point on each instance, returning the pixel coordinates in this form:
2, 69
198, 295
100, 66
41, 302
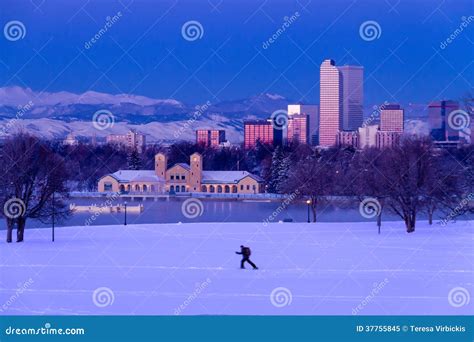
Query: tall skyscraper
312, 112
391, 118
438, 113
330, 103
210, 137
352, 96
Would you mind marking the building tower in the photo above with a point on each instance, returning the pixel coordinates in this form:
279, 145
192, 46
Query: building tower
352, 96
196, 173
330, 103
161, 164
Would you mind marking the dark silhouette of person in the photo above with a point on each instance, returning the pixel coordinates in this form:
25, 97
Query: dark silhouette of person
246, 252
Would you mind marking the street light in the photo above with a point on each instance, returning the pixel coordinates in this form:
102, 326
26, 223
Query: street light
308, 202
125, 221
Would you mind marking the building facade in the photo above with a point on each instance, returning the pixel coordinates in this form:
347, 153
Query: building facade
298, 129
368, 136
347, 138
262, 131
132, 140
391, 118
352, 77
330, 103
438, 113
179, 178
312, 112
210, 137
385, 139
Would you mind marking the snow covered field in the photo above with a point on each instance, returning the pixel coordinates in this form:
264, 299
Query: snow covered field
191, 269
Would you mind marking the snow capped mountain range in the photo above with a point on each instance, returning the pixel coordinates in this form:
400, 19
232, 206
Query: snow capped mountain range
55, 115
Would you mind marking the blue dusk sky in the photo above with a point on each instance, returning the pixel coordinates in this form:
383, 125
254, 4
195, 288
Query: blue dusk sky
143, 52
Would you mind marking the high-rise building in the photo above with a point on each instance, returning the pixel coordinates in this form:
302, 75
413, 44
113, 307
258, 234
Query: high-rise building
391, 118
312, 111
263, 131
297, 130
352, 77
330, 103
210, 137
438, 113
131, 140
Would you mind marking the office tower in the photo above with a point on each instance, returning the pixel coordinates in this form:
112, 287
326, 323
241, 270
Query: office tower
330, 103
386, 139
391, 118
438, 113
263, 131
131, 140
298, 129
352, 96
210, 137
312, 112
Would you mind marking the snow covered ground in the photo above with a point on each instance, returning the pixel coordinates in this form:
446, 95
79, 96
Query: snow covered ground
191, 269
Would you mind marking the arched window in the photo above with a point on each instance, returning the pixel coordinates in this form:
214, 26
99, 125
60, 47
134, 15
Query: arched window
177, 188
129, 187
212, 188
219, 189
203, 188
137, 187
226, 189
122, 188
145, 188
171, 188
183, 188
234, 189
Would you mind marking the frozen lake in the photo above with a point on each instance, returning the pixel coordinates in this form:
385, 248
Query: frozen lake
170, 211
191, 269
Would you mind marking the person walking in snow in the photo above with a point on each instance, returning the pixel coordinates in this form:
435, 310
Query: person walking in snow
246, 252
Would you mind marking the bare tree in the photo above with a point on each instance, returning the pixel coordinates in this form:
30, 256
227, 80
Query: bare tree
31, 174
